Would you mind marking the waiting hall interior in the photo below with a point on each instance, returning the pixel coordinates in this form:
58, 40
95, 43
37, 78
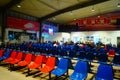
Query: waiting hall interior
59, 39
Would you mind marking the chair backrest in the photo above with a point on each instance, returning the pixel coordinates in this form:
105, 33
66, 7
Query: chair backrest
111, 52
101, 50
51, 61
38, 59
28, 57
33, 56
90, 56
13, 54
81, 67
116, 59
7, 53
44, 58
72, 54
63, 64
82, 54
19, 55
104, 72
102, 57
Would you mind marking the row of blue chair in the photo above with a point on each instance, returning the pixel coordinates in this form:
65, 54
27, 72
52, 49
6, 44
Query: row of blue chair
102, 58
104, 72
49, 47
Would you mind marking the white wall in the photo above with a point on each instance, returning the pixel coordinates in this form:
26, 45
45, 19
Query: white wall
60, 37
105, 36
56, 37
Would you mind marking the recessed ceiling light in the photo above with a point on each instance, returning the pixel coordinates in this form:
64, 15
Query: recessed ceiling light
118, 5
74, 19
93, 9
18, 6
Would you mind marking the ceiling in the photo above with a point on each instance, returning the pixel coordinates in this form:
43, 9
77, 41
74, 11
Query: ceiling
61, 11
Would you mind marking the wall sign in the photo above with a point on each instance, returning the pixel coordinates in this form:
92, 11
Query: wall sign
23, 24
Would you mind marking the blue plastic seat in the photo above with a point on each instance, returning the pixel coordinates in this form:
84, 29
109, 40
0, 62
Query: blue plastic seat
5, 55
80, 71
62, 68
104, 72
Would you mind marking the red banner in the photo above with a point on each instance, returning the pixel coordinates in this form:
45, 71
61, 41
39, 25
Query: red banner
24, 24
95, 21
89, 21
80, 23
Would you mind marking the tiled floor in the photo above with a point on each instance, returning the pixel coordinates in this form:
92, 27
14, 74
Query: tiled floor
5, 74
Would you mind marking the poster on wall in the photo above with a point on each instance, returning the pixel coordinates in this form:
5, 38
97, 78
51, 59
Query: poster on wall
23, 24
48, 29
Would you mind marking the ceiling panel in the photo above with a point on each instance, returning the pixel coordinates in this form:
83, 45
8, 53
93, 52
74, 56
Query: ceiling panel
63, 18
34, 8
41, 8
101, 8
61, 4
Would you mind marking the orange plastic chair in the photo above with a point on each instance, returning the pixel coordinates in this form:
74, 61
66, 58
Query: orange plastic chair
111, 53
49, 66
26, 61
12, 57
1, 52
36, 64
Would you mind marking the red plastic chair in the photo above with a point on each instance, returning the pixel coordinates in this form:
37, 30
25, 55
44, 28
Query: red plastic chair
1, 52
36, 64
111, 53
49, 66
17, 59
26, 61
12, 57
